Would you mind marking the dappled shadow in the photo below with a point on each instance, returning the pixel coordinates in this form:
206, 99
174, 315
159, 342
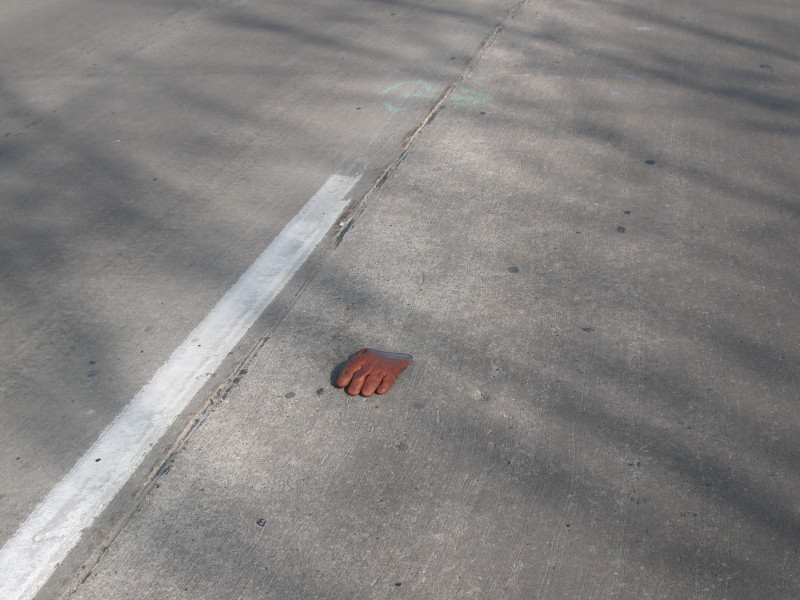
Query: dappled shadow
149, 153
624, 397
615, 416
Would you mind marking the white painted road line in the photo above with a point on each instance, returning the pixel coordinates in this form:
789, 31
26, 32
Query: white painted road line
31, 555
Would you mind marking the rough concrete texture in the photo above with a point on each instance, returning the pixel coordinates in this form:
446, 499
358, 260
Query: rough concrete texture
149, 152
597, 276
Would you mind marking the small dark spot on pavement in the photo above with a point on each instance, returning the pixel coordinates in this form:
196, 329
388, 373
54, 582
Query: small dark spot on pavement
289, 395
513, 269
243, 372
97, 459
627, 212
418, 405
483, 112
587, 329
93, 373
621, 229
320, 391
402, 447
766, 67
650, 162
398, 584
261, 522
92, 362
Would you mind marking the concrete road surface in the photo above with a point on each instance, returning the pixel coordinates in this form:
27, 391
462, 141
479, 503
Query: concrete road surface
590, 249
149, 152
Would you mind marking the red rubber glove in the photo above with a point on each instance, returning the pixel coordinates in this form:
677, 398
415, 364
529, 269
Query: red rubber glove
371, 371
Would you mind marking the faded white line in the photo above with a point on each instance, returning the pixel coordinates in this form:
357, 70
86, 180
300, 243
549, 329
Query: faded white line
31, 555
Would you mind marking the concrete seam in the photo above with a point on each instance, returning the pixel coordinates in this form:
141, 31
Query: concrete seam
344, 225
359, 206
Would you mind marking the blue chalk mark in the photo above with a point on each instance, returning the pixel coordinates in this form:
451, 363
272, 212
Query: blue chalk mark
419, 88
392, 108
468, 97
631, 76
421, 82
416, 93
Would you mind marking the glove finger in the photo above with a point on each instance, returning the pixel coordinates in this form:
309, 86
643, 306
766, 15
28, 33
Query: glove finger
357, 382
387, 383
346, 374
371, 384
